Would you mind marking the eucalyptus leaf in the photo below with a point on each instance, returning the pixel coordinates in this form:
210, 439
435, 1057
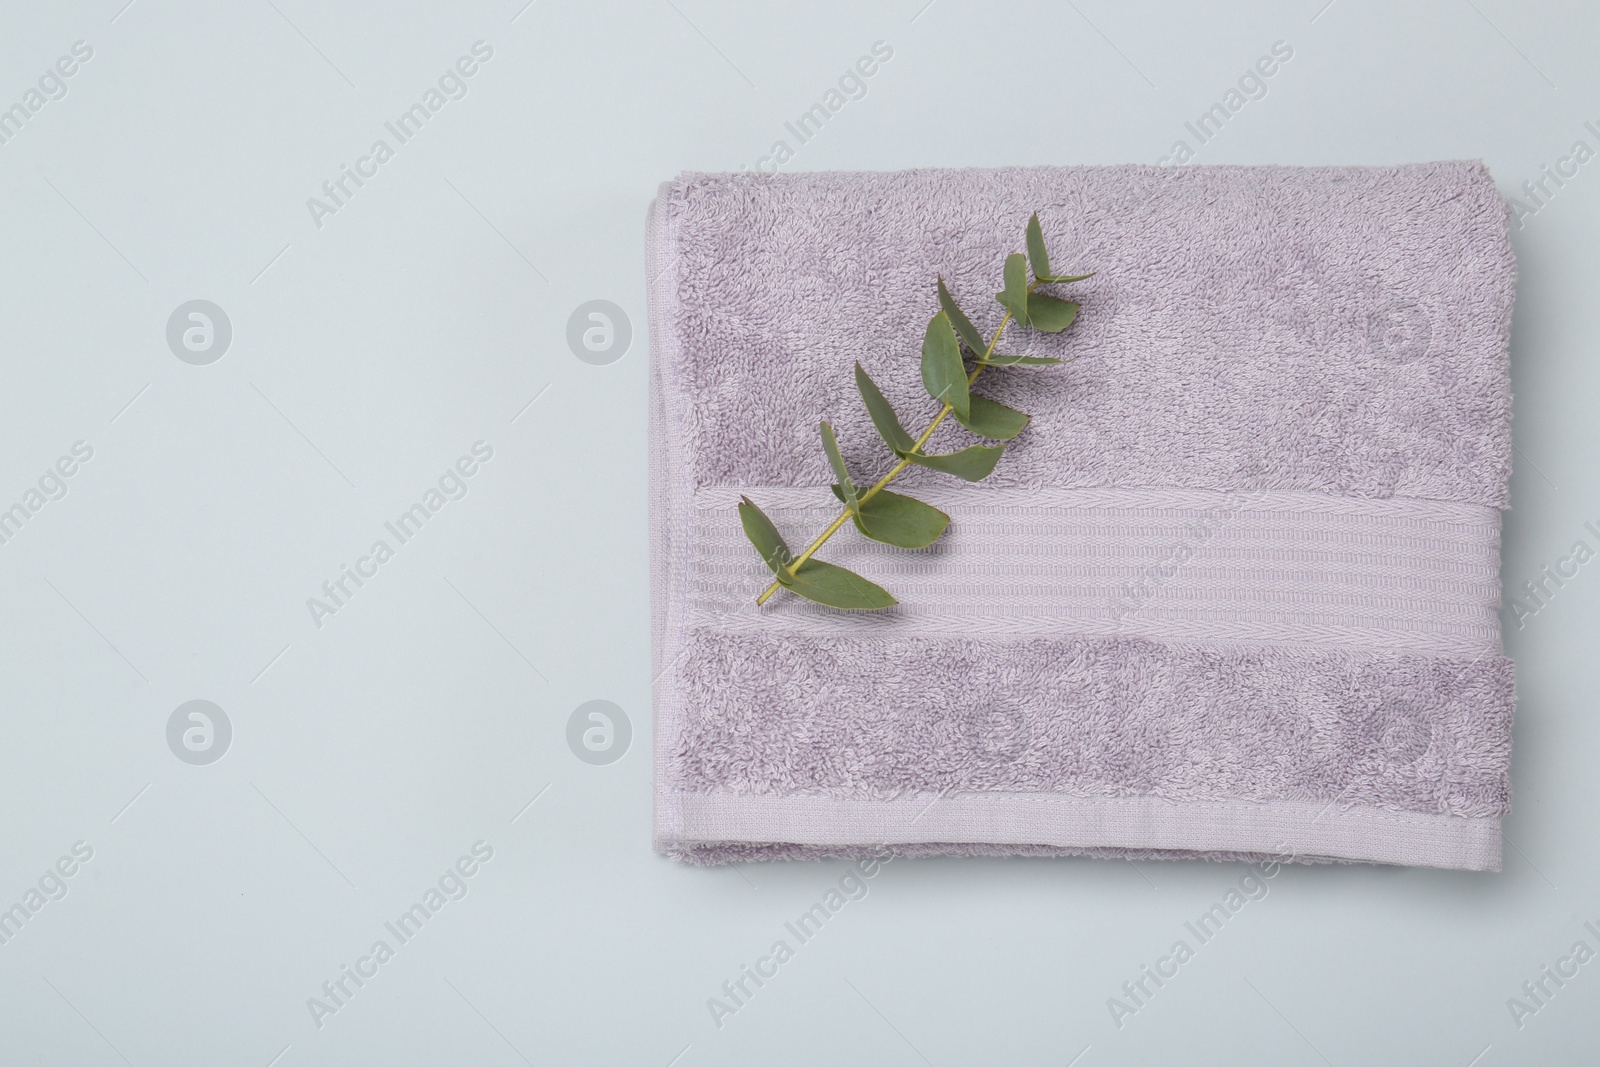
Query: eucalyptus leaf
1067, 277
836, 587
1049, 314
974, 463
765, 536
1015, 296
1036, 253
958, 318
830, 444
942, 370
898, 520
990, 419
998, 360
883, 417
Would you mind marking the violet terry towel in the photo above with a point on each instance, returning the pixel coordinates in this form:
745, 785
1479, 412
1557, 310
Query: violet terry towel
1233, 593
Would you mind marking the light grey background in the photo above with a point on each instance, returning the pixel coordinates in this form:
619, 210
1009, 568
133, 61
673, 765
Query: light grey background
368, 353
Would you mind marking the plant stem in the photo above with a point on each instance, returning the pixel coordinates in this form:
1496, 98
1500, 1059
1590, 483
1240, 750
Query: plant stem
894, 472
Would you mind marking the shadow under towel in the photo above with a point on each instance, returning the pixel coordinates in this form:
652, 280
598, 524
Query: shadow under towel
1234, 592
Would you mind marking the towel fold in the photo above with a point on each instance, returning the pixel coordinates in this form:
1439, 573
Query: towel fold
1234, 592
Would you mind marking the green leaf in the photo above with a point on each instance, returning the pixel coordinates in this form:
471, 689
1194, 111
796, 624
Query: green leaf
765, 536
998, 360
991, 419
1036, 253
830, 444
883, 417
942, 370
1041, 261
958, 318
1049, 314
974, 464
902, 521
1015, 296
836, 587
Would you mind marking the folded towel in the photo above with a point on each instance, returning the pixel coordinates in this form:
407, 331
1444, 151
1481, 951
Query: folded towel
1233, 593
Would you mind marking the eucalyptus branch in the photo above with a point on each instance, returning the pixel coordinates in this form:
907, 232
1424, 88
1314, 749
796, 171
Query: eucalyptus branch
901, 520
894, 472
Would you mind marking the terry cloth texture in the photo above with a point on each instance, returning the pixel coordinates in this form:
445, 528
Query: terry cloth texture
1233, 593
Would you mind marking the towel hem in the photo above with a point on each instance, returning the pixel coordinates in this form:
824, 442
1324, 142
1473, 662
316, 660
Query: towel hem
1315, 831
